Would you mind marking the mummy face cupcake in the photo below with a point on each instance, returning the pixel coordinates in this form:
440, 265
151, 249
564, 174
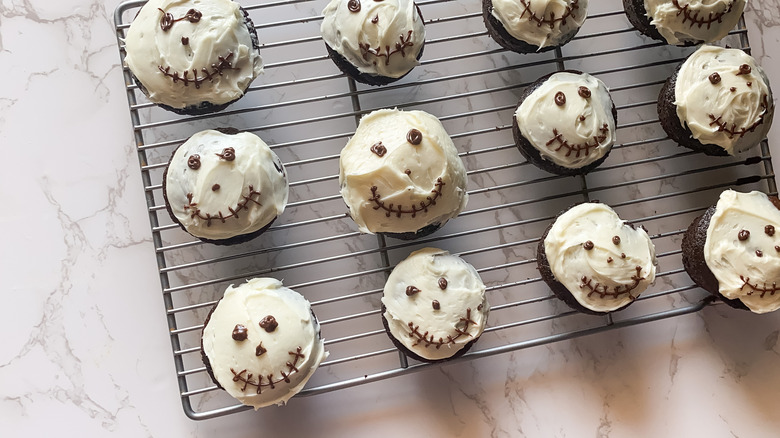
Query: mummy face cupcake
400, 174
527, 26
261, 343
193, 56
224, 187
594, 261
718, 102
684, 22
375, 42
434, 305
565, 123
733, 251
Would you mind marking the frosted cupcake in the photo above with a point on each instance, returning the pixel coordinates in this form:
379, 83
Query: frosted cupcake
527, 26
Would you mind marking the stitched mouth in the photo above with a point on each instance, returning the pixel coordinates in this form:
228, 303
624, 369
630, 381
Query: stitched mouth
399, 210
386, 52
244, 204
762, 289
696, 19
461, 329
732, 130
248, 379
604, 291
578, 148
207, 73
552, 20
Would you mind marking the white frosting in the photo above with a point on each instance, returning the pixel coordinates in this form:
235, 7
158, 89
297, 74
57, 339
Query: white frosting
220, 32
255, 166
576, 133
541, 23
609, 275
694, 21
734, 120
434, 334
748, 270
409, 186
248, 304
383, 38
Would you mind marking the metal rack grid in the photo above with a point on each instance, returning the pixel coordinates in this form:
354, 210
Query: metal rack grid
306, 110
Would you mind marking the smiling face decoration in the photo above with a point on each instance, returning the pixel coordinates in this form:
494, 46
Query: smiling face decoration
742, 249
262, 342
602, 261
187, 53
219, 186
724, 98
694, 21
542, 23
434, 304
378, 37
568, 119
401, 172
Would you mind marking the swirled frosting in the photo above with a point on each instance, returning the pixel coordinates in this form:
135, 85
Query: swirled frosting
568, 119
604, 262
214, 196
435, 303
742, 249
378, 37
694, 21
542, 23
262, 342
724, 98
184, 58
401, 172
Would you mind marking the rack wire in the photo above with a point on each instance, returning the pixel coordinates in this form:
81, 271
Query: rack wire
306, 110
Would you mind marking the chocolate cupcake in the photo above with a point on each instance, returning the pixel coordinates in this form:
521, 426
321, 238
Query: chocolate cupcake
400, 174
434, 306
224, 187
194, 56
718, 101
565, 123
594, 261
732, 252
261, 343
375, 42
528, 26
684, 23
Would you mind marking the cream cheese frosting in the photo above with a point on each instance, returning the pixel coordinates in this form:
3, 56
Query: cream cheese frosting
401, 172
694, 21
185, 52
435, 303
263, 342
604, 262
724, 98
220, 185
743, 251
542, 23
568, 119
378, 37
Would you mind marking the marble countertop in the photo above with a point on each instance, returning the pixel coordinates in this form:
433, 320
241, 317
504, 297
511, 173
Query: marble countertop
88, 353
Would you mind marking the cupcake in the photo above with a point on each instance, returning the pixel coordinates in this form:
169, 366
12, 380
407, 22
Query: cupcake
225, 186
400, 174
594, 261
434, 306
684, 23
565, 123
732, 251
718, 102
261, 343
192, 56
375, 42
527, 26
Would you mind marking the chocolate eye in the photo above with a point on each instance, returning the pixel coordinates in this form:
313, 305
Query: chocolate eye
269, 323
228, 154
443, 283
414, 137
584, 92
560, 98
411, 290
588, 245
193, 162
436, 305
616, 240
769, 230
379, 149
353, 5
743, 235
744, 69
239, 333
715, 78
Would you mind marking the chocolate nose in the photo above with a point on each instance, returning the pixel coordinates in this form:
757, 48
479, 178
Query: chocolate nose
215, 187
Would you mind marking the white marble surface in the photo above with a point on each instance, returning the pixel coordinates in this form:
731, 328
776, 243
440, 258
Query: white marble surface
86, 353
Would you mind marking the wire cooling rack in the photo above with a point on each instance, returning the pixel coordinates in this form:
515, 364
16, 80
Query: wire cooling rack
306, 110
